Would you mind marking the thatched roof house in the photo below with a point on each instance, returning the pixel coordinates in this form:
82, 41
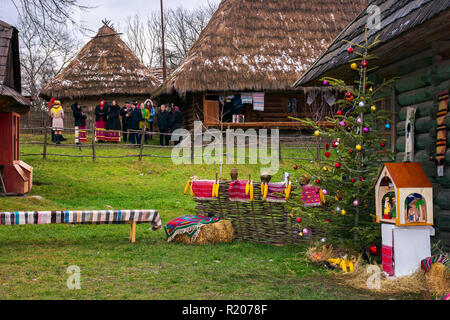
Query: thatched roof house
414, 47
262, 46
11, 99
105, 68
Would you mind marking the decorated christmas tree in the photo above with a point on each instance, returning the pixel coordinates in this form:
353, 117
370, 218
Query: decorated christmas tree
352, 156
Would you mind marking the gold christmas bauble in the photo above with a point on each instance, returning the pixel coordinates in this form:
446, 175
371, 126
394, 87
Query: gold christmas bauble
354, 66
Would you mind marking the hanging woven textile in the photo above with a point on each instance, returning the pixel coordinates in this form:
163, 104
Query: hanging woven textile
441, 143
409, 134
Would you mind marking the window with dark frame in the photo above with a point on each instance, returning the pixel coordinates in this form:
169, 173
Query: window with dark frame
387, 105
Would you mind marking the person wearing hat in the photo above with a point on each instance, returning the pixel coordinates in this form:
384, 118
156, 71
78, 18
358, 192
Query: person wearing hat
80, 123
57, 114
101, 117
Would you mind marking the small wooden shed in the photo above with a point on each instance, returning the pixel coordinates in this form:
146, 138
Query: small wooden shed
15, 175
404, 195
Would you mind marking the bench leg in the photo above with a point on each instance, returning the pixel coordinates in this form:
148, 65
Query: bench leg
133, 232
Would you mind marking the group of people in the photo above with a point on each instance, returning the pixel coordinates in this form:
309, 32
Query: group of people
136, 119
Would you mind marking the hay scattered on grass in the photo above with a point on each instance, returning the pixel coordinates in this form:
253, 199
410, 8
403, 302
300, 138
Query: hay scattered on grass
219, 232
438, 279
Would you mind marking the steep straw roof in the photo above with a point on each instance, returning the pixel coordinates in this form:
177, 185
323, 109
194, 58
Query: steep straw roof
260, 44
105, 66
398, 18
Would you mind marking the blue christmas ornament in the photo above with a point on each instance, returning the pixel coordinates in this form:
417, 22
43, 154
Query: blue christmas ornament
387, 126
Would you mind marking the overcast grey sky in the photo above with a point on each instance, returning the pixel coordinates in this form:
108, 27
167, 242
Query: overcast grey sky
114, 10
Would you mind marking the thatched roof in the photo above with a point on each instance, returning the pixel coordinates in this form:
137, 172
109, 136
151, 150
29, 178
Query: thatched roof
407, 27
105, 66
260, 44
10, 80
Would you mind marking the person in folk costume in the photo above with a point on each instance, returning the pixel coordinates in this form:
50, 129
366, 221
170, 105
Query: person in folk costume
113, 125
80, 123
125, 112
57, 114
101, 117
49, 108
133, 124
149, 106
163, 121
176, 122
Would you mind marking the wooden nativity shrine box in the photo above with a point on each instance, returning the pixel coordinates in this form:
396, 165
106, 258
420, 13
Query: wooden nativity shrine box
404, 207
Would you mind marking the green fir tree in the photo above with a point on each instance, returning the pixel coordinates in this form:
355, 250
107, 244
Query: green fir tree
351, 160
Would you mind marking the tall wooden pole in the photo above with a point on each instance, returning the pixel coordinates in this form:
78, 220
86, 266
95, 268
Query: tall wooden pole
163, 45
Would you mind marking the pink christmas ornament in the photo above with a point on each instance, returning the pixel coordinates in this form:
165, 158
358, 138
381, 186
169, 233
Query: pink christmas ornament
356, 203
358, 121
342, 123
325, 192
325, 82
305, 231
366, 130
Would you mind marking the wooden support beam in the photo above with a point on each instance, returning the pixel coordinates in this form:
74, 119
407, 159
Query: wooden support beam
133, 231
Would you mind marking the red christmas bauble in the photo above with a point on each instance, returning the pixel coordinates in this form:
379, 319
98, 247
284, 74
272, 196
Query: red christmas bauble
361, 178
348, 94
383, 144
295, 167
317, 181
299, 220
337, 165
339, 113
350, 151
327, 154
328, 220
327, 246
327, 146
353, 180
364, 64
374, 250
350, 50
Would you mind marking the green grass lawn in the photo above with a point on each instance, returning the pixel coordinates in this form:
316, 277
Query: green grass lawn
34, 259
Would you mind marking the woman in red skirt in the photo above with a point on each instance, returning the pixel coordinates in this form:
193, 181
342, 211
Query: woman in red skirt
101, 117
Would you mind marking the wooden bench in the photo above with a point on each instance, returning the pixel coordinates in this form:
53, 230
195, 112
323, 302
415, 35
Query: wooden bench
133, 217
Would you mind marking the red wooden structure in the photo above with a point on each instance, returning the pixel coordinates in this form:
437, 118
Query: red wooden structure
15, 176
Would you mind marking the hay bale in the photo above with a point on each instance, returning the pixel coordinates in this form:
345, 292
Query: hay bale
438, 279
219, 232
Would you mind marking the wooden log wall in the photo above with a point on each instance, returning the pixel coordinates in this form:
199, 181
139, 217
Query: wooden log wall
422, 78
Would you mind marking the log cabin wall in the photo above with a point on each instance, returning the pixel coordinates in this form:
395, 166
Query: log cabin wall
422, 77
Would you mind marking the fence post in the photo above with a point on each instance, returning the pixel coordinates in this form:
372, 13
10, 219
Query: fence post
94, 155
142, 142
44, 154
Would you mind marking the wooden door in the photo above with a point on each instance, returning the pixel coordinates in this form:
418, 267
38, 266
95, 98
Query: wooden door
211, 112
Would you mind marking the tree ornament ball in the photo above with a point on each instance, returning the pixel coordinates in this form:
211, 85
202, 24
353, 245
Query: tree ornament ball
323, 240
364, 64
343, 212
300, 234
383, 144
291, 215
348, 129
317, 181
350, 151
337, 165
362, 104
349, 96
353, 180
295, 167
373, 108
339, 112
354, 66
356, 203
317, 133
325, 192
350, 50
327, 246
358, 147
305, 231
374, 250
328, 220
299, 220
361, 178
325, 82
366, 129
325, 169
358, 121
387, 126
342, 123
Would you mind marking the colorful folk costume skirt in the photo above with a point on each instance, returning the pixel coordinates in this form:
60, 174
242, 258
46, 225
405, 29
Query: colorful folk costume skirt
80, 134
113, 135
100, 131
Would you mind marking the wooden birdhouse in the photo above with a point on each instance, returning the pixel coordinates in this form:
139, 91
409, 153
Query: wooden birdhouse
404, 195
